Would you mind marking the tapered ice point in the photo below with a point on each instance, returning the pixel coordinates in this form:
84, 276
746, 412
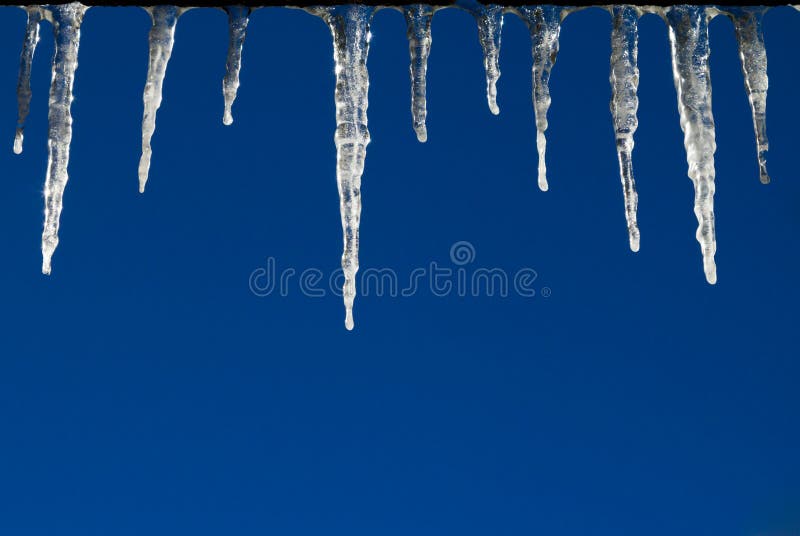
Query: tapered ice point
624, 104
24, 80
544, 24
688, 36
238, 17
66, 19
490, 28
747, 22
349, 25
418, 19
161, 41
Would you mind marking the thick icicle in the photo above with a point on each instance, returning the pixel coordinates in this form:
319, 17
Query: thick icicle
490, 28
753, 54
349, 27
544, 24
24, 81
238, 17
66, 21
162, 38
688, 36
624, 104
418, 19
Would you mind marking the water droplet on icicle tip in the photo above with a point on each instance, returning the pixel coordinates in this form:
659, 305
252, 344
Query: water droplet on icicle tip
161, 40
688, 36
238, 18
66, 19
24, 79
624, 104
747, 22
349, 25
544, 24
418, 20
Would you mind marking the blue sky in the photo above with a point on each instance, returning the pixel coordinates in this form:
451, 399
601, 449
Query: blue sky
145, 389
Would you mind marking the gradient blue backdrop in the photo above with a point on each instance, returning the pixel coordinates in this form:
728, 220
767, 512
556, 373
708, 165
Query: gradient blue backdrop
145, 390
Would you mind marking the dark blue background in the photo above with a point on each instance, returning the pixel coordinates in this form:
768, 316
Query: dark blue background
145, 390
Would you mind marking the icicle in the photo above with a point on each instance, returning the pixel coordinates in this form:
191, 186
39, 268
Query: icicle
544, 24
238, 17
688, 36
66, 21
349, 25
24, 81
162, 37
490, 27
418, 19
624, 104
753, 54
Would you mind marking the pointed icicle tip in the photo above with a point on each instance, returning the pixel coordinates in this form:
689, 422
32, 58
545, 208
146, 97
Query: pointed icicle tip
24, 78
490, 29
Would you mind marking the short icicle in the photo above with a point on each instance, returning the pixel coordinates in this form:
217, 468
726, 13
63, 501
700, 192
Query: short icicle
490, 29
625, 103
238, 17
66, 19
349, 25
418, 19
753, 55
24, 80
544, 24
161, 38
688, 36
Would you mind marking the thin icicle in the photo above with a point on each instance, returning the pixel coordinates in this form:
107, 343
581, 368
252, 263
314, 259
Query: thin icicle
544, 24
66, 21
490, 29
238, 17
349, 25
753, 55
24, 81
162, 38
625, 103
688, 36
418, 19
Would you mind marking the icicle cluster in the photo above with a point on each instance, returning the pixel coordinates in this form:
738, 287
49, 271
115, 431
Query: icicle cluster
349, 27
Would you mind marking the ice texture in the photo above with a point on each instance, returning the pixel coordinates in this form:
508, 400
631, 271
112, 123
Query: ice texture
66, 19
624, 104
418, 19
688, 36
161, 39
24, 80
238, 17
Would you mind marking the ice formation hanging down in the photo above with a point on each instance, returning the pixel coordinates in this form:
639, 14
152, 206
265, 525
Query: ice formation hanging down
350, 31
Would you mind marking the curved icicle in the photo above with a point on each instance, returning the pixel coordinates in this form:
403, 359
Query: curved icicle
418, 19
753, 55
544, 24
490, 28
161, 38
24, 80
66, 19
688, 36
349, 25
238, 17
625, 103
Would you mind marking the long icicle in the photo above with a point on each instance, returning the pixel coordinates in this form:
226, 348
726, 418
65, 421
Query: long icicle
418, 19
24, 80
490, 29
349, 27
544, 24
238, 17
625, 103
688, 36
161, 38
66, 19
747, 22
